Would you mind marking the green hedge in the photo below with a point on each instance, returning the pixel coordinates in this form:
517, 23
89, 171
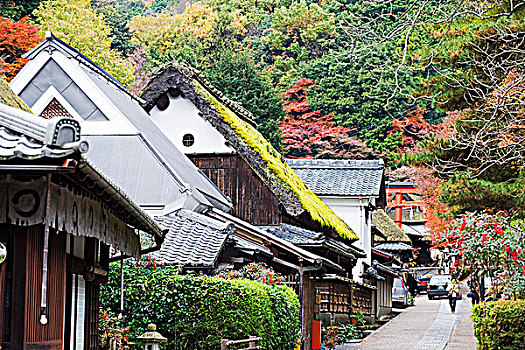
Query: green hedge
500, 325
195, 312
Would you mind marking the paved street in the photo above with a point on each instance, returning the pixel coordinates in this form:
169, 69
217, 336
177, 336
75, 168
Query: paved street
427, 326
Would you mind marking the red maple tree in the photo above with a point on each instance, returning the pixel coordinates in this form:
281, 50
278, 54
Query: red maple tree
16, 38
308, 134
413, 129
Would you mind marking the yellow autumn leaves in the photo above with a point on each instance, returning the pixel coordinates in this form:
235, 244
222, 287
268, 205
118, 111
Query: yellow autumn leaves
78, 25
159, 32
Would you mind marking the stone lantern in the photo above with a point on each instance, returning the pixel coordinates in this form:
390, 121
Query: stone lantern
152, 338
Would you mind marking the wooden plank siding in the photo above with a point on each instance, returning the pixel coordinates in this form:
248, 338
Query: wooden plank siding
92, 305
252, 200
47, 336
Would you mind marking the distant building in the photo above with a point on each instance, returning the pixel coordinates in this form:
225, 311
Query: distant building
406, 208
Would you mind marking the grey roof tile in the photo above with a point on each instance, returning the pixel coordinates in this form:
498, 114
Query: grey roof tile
192, 240
303, 237
393, 246
340, 177
416, 230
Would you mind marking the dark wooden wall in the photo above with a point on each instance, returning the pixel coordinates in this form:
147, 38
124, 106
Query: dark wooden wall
252, 199
49, 336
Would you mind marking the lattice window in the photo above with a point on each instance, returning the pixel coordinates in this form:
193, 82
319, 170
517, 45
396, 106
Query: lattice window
55, 109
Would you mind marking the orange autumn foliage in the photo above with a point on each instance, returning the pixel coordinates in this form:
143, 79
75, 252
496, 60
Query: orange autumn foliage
16, 38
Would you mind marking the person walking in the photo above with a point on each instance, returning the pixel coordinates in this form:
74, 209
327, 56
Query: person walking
454, 291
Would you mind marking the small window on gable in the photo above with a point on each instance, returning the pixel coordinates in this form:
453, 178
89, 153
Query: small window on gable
163, 102
55, 109
188, 140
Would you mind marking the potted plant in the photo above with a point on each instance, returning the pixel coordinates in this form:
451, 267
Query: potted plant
357, 318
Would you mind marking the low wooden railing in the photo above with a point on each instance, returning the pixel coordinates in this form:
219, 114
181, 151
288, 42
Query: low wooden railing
225, 343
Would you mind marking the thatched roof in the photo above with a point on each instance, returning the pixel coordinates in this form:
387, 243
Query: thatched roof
235, 123
8, 97
388, 227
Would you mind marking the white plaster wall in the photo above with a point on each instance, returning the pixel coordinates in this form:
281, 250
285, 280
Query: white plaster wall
182, 117
352, 212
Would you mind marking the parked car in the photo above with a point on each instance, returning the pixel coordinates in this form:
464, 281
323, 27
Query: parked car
437, 286
399, 292
423, 276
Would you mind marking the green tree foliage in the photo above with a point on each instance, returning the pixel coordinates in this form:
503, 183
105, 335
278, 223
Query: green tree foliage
117, 14
475, 63
17, 9
195, 312
237, 77
76, 23
359, 95
488, 245
297, 33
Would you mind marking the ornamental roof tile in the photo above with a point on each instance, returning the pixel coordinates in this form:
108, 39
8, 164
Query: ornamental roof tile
19, 146
341, 177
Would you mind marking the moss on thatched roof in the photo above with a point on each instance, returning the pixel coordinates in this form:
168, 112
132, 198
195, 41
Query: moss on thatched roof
234, 122
388, 227
8, 97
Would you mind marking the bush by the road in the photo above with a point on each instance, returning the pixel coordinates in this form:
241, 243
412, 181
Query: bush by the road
195, 312
500, 325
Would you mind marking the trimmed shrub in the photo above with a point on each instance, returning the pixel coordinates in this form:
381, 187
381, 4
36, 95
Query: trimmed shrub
500, 325
195, 312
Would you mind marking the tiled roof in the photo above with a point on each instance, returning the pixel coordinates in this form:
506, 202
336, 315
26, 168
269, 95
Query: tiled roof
192, 240
416, 230
393, 246
19, 146
340, 177
302, 238
251, 248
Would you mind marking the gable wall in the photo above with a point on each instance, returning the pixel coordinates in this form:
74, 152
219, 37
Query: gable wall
53, 74
252, 199
353, 213
181, 117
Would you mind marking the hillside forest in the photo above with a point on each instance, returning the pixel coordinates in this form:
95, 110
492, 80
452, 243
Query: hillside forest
434, 87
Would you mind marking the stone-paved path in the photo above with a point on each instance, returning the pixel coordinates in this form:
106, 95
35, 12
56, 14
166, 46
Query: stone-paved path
427, 326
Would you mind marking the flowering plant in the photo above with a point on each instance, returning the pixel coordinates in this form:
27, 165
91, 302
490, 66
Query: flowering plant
112, 334
254, 271
488, 245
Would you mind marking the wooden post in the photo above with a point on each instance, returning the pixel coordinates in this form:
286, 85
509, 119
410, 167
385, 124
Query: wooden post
224, 344
398, 211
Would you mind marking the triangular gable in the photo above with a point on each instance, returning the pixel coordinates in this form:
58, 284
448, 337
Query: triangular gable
234, 123
157, 175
